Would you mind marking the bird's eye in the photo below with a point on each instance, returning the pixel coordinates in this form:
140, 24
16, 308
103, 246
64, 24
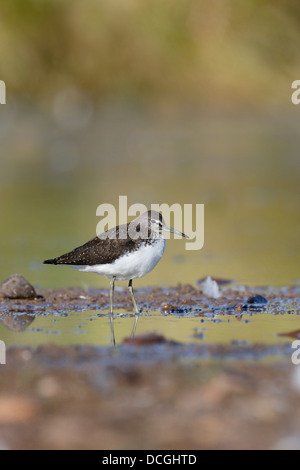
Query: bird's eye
153, 221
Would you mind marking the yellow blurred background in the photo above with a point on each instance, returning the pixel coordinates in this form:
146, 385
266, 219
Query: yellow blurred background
181, 101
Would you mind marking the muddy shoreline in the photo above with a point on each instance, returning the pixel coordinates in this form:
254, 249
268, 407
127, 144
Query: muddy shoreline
168, 299
150, 392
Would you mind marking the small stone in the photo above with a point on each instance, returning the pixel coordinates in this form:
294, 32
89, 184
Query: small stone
169, 308
145, 339
238, 308
199, 335
220, 281
16, 287
257, 299
210, 288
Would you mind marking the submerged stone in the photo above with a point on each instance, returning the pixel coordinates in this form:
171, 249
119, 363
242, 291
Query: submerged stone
145, 339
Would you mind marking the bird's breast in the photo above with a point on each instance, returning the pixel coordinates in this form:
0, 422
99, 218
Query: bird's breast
139, 262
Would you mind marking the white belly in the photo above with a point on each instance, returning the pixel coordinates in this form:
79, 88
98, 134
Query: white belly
132, 265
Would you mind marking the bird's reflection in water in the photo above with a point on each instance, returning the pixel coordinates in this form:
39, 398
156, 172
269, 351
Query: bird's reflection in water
16, 323
112, 330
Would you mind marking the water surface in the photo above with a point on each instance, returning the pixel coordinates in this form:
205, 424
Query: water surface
243, 166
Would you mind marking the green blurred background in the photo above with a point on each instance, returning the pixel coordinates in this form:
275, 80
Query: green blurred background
181, 101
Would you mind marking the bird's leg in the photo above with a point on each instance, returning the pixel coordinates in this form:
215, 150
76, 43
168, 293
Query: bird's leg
132, 297
135, 307
111, 315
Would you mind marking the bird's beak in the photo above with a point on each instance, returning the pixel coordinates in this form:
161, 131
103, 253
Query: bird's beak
172, 230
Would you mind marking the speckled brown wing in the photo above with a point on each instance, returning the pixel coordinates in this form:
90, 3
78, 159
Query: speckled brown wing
104, 249
96, 251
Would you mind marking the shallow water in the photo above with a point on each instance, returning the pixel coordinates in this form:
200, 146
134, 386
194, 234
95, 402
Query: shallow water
94, 329
198, 325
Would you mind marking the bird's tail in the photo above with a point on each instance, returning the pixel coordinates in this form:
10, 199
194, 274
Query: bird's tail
50, 261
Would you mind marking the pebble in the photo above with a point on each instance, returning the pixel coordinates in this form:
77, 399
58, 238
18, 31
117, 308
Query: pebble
210, 288
236, 306
17, 287
257, 299
220, 281
169, 308
145, 339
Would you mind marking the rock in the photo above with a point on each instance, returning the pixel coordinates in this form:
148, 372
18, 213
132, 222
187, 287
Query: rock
257, 299
210, 288
237, 306
220, 281
169, 308
145, 339
16, 287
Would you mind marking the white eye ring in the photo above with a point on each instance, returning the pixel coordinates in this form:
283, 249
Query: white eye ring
153, 221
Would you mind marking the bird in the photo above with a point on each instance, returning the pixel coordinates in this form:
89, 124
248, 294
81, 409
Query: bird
122, 253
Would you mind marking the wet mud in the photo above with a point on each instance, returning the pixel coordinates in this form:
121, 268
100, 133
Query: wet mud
155, 390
